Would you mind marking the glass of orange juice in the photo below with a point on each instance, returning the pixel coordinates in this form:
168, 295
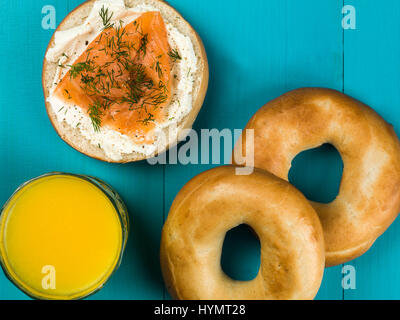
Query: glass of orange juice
62, 236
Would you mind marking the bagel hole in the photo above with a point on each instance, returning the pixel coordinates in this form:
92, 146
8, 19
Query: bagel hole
317, 173
240, 259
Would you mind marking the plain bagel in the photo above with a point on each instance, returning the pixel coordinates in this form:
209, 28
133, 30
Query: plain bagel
292, 248
369, 195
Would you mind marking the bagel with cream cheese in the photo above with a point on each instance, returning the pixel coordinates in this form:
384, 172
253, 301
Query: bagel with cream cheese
369, 195
290, 233
123, 78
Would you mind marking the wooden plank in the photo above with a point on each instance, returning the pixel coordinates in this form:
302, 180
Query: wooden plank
24, 146
29, 147
372, 68
256, 52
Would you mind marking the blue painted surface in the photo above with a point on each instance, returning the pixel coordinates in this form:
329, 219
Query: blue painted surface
372, 74
257, 50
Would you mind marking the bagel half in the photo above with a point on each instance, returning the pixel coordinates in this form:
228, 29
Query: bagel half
72, 135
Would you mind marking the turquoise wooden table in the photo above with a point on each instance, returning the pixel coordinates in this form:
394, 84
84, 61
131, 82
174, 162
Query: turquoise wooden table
257, 50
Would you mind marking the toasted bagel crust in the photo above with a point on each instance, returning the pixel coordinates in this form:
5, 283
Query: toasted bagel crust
369, 195
290, 233
72, 135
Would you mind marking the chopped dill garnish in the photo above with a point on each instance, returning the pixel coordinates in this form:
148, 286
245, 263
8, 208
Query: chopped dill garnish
95, 112
143, 45
79, 67
138, 82
95, 115
148, 119
158, 98
121, 78
106, 17
159, 70
162, 87
174, 54
68, 95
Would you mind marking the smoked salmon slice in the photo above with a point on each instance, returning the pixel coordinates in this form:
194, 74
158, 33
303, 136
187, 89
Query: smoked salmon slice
123, 79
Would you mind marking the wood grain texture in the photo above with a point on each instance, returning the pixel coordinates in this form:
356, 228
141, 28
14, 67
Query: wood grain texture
257, 50
30, 147
372, 69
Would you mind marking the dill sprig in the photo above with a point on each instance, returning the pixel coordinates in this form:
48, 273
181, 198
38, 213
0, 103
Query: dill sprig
78, 68
139, 91
106, 17
96, 112
143, 45
148, 119
158, 69
95, 115
68, 94
138, 82
174, 54
162, 87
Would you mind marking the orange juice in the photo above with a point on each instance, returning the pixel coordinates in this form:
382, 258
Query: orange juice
62, 236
